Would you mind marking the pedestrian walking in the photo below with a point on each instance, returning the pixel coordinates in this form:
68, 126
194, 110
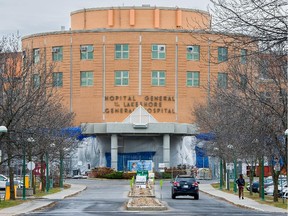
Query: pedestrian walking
241, 183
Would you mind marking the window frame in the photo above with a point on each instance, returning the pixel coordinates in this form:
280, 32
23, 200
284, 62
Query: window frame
36, 80
57, 79
222, 83
193, 55
122, 52
36, 55
243, 56
195, 81
88, 54
222, 54
122, 76
157, 53
158, 78
57, 56
84, 81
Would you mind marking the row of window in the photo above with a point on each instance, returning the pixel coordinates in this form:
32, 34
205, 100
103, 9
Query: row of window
158, 51
121, 78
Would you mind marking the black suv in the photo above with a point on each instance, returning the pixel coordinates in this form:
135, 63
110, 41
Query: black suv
185, 185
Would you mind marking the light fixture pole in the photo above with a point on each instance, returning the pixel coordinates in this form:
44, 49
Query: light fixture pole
47, 172
24, 172
61, 168
286, 151
262, 179
221, 174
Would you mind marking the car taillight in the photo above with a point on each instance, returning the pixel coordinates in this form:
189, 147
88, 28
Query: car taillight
176, 184
195, 184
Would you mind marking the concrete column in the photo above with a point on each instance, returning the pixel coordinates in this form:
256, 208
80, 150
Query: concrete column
166, 149
114, 151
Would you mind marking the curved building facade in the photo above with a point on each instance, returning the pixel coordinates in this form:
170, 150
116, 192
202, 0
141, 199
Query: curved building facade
115, 60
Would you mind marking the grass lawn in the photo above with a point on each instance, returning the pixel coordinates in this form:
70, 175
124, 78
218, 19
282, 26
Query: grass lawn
39, 193
255, 196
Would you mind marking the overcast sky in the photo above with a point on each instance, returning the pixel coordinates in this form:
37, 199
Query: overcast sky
36, 16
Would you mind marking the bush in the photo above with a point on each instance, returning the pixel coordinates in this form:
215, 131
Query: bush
101, 172
128, 175
114, 175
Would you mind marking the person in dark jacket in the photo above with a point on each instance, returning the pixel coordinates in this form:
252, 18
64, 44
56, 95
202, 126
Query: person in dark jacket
241, 183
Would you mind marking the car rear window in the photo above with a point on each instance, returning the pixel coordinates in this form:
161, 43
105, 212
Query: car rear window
179, 179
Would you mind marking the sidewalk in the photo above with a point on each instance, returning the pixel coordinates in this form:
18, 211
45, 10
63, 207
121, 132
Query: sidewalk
234, 199
35, 204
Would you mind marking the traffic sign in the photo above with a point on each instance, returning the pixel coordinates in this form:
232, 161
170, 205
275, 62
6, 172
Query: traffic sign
31, 165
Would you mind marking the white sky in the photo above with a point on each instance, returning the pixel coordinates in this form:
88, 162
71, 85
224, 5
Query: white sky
36, 16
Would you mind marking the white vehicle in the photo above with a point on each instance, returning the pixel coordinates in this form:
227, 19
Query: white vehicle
3, 181
269, 190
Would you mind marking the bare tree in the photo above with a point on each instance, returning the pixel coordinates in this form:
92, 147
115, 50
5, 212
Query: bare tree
29, 105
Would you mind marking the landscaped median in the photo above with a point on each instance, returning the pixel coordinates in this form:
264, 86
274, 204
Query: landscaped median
143, 199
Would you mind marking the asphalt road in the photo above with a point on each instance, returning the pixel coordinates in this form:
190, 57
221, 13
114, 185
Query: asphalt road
108, 197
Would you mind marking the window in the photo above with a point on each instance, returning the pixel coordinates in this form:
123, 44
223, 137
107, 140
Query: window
121, 51
193, 53
264, 69
158, 51
121, 78
158, 78
57, 79
192, 78
86, 78
222, 54
86, 52
36, 80
36, 55
243, 81
222, 80
57, 53
243, 56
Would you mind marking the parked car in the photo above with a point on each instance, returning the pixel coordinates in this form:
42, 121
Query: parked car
268, 181
3, 181
270, 190
281, 186
284, 193
185, 185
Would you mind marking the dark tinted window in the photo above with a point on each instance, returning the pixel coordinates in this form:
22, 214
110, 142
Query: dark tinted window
179, 179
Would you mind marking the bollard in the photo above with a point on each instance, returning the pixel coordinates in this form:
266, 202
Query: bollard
27, 181
7, 190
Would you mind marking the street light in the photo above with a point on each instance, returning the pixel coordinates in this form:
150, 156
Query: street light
235, 168
286, 153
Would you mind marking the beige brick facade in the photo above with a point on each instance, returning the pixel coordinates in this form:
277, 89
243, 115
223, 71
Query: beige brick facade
140, 28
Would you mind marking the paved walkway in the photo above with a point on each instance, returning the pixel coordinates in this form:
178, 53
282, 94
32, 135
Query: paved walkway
45, 201
246, 202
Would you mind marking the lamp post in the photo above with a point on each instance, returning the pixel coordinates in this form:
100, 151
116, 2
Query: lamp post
235, 168
262, 179
24, 173
47, 172
286, 152
61, 168
221, 174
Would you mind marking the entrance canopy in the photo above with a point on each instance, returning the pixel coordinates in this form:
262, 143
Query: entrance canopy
139, 122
